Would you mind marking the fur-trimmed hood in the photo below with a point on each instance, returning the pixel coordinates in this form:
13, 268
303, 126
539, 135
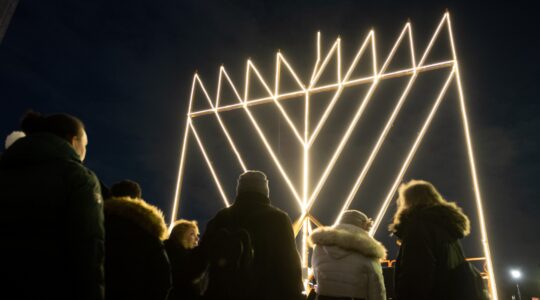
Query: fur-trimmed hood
147, 216
350, 238
447, 216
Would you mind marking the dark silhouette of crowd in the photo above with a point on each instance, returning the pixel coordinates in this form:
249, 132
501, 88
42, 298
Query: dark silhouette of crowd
65, 235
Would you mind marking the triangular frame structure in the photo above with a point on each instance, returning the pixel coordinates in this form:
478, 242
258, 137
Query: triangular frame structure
305, 198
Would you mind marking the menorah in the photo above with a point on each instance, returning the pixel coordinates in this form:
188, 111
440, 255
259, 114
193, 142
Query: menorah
305, 197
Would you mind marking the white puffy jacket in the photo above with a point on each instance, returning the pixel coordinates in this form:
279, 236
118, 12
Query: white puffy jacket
346, 263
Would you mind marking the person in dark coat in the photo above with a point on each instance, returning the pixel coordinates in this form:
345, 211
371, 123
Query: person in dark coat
429, 229
136, 264
187, 260
277, 269
52, 213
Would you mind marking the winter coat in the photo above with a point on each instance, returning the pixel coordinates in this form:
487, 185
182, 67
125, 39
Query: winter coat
346, 263
136, 265
52, 222
429, 246
187, 267
277, 269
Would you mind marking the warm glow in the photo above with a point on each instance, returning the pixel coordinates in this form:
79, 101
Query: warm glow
305, 197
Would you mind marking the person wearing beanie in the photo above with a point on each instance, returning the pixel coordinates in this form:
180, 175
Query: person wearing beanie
136, 263
346, 260
276, 263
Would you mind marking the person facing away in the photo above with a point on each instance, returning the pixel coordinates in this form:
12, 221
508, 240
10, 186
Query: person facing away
136, 264
52, 213
428, 229
187, 260
276, 270
346, 260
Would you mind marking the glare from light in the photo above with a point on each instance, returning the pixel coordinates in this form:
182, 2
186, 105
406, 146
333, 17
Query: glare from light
516, 274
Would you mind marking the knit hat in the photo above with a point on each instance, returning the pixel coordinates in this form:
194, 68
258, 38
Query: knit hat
253, 181
355, 218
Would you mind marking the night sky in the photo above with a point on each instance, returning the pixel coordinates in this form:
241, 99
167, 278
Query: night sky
125, 68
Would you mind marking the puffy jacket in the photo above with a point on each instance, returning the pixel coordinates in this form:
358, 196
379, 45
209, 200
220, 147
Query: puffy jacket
51, 222
346, 263
136, 264
429, 245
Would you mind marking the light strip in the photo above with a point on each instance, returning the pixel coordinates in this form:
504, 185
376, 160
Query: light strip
345, 137
274, 157
223, 127
325, 88
340, 87
388, 126
180, 178
480, 209
410, 156
209, 163
265, 142
283, 112
424, 57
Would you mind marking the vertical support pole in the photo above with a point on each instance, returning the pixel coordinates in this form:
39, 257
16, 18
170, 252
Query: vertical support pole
472, 165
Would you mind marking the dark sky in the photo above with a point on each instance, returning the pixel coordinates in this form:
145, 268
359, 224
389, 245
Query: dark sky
125, 68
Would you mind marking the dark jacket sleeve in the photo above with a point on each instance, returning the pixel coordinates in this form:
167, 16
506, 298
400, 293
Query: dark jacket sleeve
286, 261
86, 232
417, 265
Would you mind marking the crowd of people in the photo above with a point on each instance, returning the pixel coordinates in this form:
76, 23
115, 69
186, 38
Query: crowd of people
65, 235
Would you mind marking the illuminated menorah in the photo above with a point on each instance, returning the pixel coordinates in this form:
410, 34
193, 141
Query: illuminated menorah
302, 195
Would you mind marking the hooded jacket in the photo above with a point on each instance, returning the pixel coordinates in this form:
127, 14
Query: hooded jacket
346, 263
51, 222
136, 265
429, 239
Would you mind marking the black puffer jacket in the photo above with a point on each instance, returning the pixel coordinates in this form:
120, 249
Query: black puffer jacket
136, 264
429, 246
277, 267
51, 222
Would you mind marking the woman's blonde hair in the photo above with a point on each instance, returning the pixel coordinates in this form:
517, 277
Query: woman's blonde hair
415, 194
180, 228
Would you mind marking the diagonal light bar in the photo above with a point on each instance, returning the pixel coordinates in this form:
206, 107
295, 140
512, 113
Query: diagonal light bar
280, 59
180, 177
316, 76
340, 87
383, 208
350, 129
480, 209
265, 142
223, 127
209, 163
274, 157
388, 126
411, 154
250, 65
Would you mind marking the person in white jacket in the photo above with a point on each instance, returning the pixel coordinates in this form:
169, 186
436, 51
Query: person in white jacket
346, 260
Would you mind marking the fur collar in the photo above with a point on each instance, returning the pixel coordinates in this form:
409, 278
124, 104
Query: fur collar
350, 238
447, 216
149, 217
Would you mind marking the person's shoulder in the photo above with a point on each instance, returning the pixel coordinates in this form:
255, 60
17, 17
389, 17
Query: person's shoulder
273, 215
77, 175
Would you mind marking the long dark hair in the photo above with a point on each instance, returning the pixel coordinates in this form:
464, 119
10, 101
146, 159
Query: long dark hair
62, 125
